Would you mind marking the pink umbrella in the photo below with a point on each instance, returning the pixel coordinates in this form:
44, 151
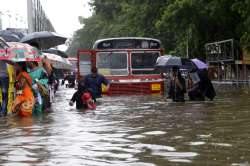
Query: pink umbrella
21, 52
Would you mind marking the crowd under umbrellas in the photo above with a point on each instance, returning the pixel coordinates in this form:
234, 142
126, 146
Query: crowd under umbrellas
197, 84
36, 47
22, 51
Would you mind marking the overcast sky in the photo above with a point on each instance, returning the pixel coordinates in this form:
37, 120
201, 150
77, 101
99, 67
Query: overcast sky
14, 13
62, 13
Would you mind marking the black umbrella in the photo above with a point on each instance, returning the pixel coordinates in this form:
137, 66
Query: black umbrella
44, 39
57, 52
20, 34
10, 36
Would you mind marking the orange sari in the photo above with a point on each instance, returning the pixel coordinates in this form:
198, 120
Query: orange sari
24, 101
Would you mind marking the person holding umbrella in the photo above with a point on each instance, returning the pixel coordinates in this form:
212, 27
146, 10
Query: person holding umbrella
40, 86
194, 90
177, 87
24, 101
202, 85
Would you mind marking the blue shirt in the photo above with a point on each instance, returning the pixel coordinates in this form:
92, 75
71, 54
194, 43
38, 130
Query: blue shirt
94, 83
3, 69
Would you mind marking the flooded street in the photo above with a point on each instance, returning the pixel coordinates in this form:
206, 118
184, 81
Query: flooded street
132, 131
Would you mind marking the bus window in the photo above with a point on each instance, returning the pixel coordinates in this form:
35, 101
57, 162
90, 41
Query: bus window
143, 62
124, 44
85, 64
112, 63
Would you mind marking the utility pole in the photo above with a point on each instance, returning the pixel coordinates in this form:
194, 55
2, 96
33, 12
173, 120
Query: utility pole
1, 25
9, 15
189, 33
187, 53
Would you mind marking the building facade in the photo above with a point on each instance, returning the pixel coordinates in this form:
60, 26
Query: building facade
228, 61
37, 19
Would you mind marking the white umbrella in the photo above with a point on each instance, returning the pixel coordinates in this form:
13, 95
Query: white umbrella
58, 62
169, 61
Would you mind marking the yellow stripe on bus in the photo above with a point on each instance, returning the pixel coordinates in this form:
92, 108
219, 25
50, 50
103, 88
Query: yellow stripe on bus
155, 87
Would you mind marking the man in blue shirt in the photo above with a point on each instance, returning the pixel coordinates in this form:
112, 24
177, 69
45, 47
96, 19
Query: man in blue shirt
94, 83
4, 85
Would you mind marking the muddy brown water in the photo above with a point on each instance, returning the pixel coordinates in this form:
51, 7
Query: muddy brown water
133, 131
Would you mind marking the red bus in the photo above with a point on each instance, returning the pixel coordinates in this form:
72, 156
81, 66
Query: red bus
128, 63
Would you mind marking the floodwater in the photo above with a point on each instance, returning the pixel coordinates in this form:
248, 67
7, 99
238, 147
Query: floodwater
133, 131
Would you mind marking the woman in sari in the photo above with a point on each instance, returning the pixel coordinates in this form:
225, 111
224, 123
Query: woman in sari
24, 102
39, 85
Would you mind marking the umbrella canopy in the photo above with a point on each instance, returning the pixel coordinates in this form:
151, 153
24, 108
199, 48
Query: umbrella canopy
168, 61
44, 39
57, 52
58, 62
199, 64
72, 59
19, 33
10, 36
21, 52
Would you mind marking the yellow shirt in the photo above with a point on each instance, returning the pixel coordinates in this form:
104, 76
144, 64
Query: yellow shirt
11, 73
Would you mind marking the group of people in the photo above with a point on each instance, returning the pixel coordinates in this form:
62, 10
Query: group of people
32, 84
70, 77
33, 81
198, 86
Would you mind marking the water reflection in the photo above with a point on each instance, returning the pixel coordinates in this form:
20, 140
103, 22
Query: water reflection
132, 130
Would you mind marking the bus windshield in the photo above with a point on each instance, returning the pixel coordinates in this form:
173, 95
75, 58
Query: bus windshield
143, 62
112, 63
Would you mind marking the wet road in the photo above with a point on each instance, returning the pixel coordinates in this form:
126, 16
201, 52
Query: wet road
133, 131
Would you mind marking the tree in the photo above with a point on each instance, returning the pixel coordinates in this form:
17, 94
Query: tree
177, 23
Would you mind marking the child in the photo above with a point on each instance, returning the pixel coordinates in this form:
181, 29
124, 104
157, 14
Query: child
88, 101
82, 97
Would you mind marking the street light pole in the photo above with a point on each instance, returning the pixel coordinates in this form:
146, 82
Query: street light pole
187, 51
189, 35
1, 25
17, 20
8, 14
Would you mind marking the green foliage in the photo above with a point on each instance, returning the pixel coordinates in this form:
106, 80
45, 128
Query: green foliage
177, 23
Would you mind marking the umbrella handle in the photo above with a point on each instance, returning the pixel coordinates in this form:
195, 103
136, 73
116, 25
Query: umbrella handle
4, 43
